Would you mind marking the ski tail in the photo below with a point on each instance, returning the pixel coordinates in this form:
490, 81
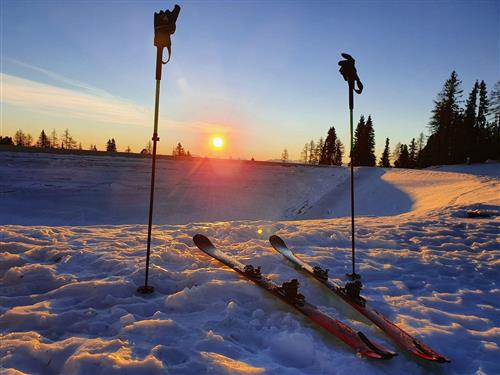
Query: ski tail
380, 350
401, 337
427, 353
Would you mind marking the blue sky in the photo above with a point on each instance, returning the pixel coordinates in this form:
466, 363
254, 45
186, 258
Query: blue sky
263, 74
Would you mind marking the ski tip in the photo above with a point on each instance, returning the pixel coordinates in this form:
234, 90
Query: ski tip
202, 241
276, 241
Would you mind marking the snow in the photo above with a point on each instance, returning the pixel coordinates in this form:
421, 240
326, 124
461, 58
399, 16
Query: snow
72, 246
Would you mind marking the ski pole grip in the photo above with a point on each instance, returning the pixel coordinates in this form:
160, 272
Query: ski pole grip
350, 75
164, 24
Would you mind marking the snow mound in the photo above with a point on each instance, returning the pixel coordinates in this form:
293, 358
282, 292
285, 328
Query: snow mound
436, 276
68, 301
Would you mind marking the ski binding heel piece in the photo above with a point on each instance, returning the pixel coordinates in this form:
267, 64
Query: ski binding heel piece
252, 272
320, 273
352, 291
289, 290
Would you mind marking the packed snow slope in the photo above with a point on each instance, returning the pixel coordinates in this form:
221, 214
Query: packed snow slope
54, 189
67, 293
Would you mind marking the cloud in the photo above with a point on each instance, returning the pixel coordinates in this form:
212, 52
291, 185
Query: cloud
62, 79
92, 104
44, 98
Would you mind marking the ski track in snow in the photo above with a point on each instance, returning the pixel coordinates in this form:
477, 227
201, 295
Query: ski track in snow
67, 293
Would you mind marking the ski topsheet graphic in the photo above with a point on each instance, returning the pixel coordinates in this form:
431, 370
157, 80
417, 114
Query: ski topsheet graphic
350, 294
288, 292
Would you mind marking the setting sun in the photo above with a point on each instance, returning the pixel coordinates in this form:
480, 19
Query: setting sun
217, 142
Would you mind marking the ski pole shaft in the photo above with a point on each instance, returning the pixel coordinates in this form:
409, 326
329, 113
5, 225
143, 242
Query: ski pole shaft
352, 191
155, 139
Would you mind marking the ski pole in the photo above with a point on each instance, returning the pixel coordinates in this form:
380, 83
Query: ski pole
350, 75
164, 24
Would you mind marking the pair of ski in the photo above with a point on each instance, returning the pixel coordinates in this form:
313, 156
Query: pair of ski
288, 292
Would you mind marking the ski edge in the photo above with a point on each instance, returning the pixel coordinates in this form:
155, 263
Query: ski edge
420, 349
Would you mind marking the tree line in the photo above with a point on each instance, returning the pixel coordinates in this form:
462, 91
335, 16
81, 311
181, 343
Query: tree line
326, 151
457, 134
67, 142
463, 134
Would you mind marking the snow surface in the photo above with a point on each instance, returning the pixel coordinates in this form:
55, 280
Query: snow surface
67, 293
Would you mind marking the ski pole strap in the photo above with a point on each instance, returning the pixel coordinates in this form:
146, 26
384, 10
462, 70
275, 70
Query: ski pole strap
350, 74
164, 23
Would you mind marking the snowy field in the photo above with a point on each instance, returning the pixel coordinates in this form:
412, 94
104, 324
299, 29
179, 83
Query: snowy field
72, 246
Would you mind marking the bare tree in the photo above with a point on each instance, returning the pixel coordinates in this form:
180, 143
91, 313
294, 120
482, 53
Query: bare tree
304, 156
53, 139
284, 156
312, 147
20, 138
67, 141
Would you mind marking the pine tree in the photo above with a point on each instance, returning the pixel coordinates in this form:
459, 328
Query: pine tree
469, 136
43, 140
359, 142
495, 120
444, 123
420, 147
369, 152
384, 159
403, 160
128, 149
329, 147
364, 143
111, 145
339, 152
495, 100
412, 154
482, 142
179, 150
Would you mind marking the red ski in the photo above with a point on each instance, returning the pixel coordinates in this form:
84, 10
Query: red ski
288, 292
404, 339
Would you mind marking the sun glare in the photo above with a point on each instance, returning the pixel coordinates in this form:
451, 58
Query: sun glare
217, 142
